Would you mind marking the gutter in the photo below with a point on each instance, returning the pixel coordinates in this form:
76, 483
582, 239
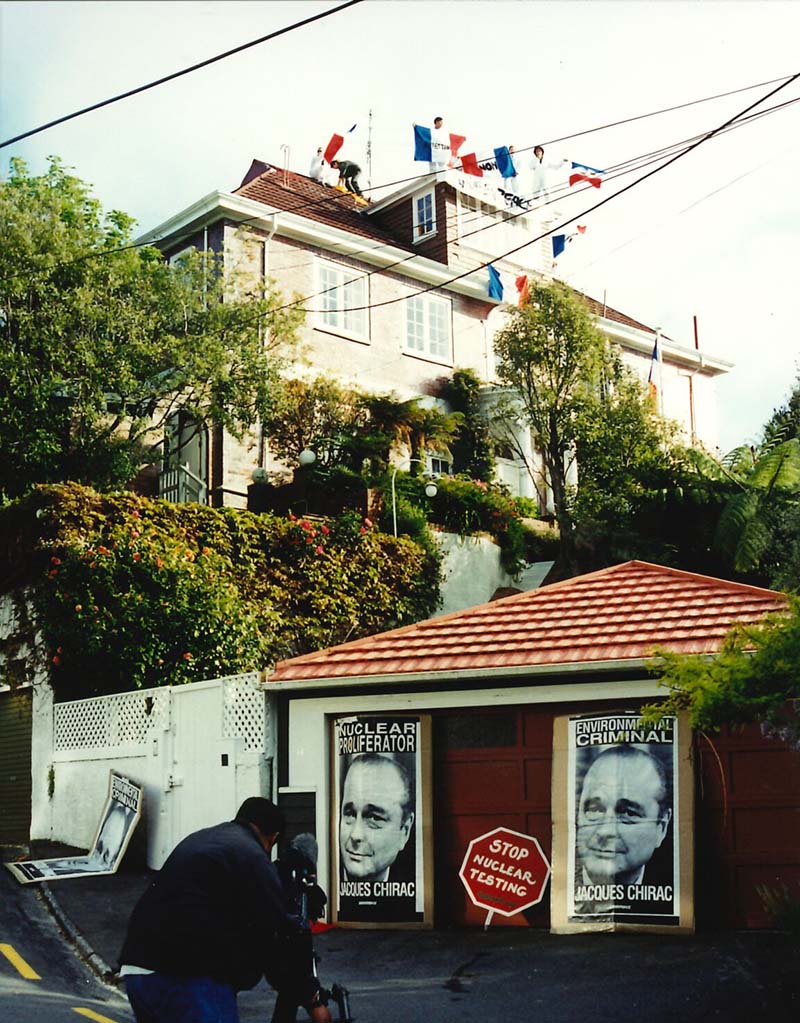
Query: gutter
375, 253
398, 680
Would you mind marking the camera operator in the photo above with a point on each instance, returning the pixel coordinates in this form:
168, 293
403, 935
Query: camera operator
214, 921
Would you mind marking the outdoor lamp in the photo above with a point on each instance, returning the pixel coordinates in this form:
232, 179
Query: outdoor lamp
259, 475
431, 490
307, 457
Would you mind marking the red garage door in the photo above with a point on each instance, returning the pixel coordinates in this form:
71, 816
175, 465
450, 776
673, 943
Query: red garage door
492, 769
748, 826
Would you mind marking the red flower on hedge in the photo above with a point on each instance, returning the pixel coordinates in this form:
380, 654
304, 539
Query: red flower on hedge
324, 529
320, 550
187, 656
55, 561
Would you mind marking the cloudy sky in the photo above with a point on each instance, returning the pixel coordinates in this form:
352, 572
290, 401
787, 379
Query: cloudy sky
713, 236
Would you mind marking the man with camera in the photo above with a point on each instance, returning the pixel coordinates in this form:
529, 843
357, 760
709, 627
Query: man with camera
215, 919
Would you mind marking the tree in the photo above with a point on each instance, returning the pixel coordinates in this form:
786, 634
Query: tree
472, 449
562, 371
101, 341
346, 427
754, 677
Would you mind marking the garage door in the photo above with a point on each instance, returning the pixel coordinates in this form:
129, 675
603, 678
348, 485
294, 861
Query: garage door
15, 766
748, 825
492, 769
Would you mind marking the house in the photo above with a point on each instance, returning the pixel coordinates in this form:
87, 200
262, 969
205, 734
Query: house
394, 302
490, 710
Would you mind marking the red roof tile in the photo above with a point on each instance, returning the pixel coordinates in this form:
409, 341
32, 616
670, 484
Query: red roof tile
617, 614
296, 193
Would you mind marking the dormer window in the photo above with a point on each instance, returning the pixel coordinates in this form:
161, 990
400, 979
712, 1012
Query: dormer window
424, 215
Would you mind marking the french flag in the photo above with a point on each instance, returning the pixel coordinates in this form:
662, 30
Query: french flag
469, 165
582, 172
335, 144
495, 284
456, 142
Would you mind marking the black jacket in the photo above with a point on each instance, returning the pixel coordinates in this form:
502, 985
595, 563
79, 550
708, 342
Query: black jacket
214, 909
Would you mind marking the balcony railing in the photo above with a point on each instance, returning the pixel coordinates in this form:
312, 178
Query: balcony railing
179, 484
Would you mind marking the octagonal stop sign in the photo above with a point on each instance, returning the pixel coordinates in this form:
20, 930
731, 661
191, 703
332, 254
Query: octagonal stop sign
504, 872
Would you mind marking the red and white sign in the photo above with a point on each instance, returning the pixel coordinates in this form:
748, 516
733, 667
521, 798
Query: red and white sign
504, 872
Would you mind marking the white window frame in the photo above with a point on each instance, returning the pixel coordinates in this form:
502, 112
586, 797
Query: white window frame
440, 465
351, 288
425, 316
424, 224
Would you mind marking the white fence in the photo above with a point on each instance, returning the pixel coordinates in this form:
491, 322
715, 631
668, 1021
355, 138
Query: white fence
197, 749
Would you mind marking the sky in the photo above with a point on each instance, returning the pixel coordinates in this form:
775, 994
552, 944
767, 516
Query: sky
712, 236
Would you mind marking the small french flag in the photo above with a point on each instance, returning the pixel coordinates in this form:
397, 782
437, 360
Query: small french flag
335, 144
495, 284
469, 165
582, 172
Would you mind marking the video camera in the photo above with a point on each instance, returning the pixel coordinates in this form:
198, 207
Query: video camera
297, 868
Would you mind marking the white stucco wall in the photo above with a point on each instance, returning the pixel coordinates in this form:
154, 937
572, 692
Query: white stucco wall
472, 572
310, 723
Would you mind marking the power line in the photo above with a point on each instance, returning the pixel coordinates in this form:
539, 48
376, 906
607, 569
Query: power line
335, 197
571, 220
179, 74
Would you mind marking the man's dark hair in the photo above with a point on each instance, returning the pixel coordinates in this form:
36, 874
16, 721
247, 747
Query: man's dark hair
267, 817
334, 163
437, 118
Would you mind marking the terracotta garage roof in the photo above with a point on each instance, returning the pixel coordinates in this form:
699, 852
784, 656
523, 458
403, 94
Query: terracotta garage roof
618, 614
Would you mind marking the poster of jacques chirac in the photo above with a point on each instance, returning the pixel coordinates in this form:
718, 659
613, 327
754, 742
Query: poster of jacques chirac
378, 819
623, 843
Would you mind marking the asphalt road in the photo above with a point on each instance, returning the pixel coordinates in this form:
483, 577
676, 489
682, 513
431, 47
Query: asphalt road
63, 990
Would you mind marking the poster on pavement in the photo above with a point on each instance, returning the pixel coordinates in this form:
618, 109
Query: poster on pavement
381, 820
121, 813
623, 849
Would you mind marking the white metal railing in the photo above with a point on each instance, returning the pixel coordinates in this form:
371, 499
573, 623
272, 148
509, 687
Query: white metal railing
180, 485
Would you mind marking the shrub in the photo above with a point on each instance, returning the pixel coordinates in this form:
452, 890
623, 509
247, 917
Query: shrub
131, 592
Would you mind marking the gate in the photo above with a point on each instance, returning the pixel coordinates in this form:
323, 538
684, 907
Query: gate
15, 766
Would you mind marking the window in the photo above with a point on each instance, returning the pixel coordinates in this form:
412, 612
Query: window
440, 466
428, 326
424, 215
344, 299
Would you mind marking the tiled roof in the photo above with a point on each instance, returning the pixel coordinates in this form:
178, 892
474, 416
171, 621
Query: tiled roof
296, 193
617, 614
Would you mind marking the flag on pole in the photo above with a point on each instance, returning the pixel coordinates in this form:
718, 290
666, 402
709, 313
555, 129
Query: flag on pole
469, 165
523, 290
495, 284
582, 172
504, 162
559, 241
335, 144
654, 375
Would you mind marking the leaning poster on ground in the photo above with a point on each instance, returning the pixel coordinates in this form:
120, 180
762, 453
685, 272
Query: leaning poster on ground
380, 820
119, 817
623, 840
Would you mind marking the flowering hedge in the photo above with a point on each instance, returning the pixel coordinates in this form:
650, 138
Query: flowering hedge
131, 592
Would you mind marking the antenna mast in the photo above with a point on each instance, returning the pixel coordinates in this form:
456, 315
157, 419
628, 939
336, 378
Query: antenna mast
369, 152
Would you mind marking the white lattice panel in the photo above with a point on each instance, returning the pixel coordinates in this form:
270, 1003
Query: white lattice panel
108, 722
244, 711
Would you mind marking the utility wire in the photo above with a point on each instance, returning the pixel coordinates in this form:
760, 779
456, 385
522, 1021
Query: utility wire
179, 74
335, 196
571, 220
